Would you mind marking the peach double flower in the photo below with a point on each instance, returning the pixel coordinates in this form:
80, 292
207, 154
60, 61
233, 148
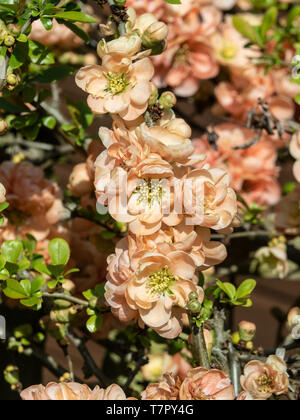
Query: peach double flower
262, 380
119, 86
199, 384
151, 285
71, 392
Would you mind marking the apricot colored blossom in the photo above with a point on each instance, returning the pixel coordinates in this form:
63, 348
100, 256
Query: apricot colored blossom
208, 199
166, 389
184, 63
118, 86
80, 182
151, 285
272, 261
262, 380
196, 241
59, 36
253, 170
171, 139
229, 46
35, 203
71, 392
203, 384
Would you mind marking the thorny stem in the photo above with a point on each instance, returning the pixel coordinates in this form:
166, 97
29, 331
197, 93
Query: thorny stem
199, 347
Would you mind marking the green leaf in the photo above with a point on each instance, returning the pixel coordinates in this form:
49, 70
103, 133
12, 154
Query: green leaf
11, 250
32, 301
173, 1
26, 284
2, 261
47, 23
29, 243
28, 93
49, 122
37, 283
56, 270
227, 288
14, 290
24, 264
75, 17
59, 251
246, 288
39, 54
292, 15
246, 30
297, 99
19, 55
3, 206
269, 20
94, 323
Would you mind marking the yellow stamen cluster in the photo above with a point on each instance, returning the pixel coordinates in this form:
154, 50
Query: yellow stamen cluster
265, 383
229, 51
161, 281
116, 83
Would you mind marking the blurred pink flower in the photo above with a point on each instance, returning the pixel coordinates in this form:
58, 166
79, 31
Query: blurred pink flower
253, 170
35, 202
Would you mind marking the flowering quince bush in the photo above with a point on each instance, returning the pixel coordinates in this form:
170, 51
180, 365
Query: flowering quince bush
138, 213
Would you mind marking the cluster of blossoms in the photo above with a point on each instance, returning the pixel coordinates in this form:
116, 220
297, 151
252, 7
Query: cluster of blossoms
200, 42
260, 381
147, 177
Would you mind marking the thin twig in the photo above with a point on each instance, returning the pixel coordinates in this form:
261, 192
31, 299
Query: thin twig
79, 343
68, 298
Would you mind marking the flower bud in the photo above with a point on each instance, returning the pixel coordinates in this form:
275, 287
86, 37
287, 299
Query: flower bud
247, 330
193, 296
11, 375
144, 21
235, 338
249, 345
9, 41
157, 32
3, 127
194, 306
167, 100
12, 79
293, 317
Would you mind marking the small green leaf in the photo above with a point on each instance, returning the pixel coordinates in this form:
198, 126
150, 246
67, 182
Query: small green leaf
11, 250
33, 301
173, 1
37, 283
59, 251
3, 206
94, 323
227, 288
292, 15
56, 270
245, 289
29, 243
26, 284
49, 122
75, 17
246, 30
269, 20
19, 55
14, 290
